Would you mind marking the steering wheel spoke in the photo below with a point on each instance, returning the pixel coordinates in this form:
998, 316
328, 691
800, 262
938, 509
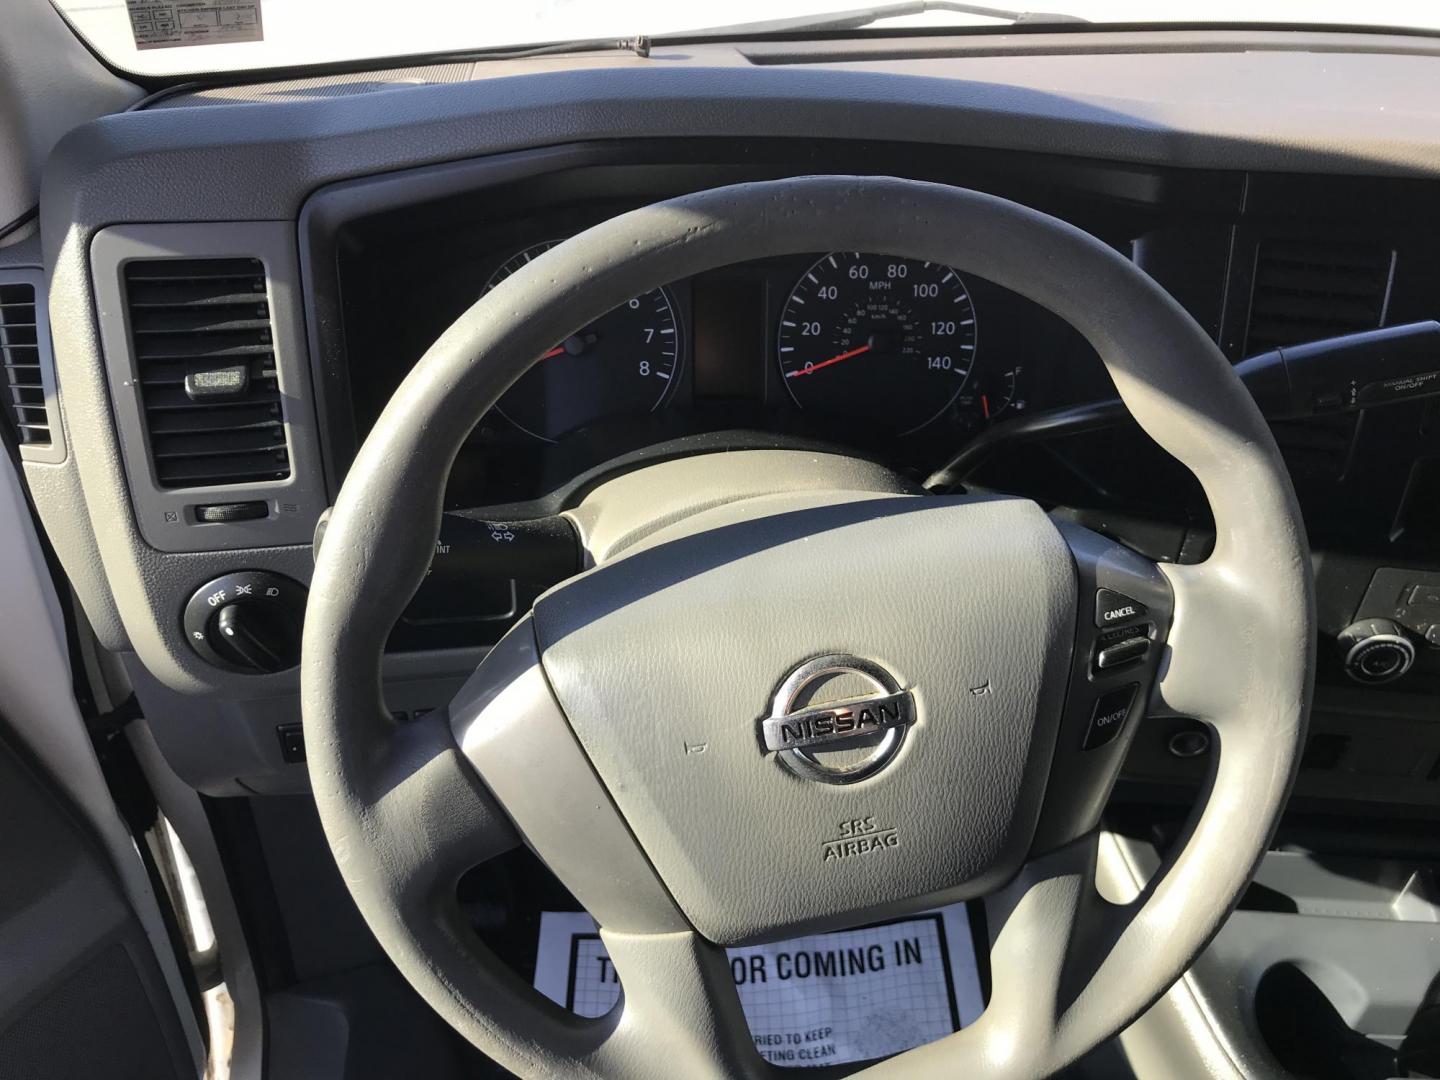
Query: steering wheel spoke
679, 1007
425, 790
510, 728
1046, 925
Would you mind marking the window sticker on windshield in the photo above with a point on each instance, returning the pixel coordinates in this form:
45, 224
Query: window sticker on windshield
827, 999
165, 25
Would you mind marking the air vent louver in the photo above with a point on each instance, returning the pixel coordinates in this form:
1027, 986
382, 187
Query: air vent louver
20, 355
204, 353
1308, 290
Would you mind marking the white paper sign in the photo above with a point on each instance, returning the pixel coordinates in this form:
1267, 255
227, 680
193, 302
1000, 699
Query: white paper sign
165, 24
853, 995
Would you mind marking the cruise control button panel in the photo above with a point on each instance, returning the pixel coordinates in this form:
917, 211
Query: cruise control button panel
1108, 717
1124, 651
1121, 629
1115, 608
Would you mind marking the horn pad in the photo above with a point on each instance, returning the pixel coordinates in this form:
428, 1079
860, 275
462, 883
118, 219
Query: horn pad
943, 630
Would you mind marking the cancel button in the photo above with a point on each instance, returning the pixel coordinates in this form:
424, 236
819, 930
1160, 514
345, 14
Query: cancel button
1111, 710
1116, 609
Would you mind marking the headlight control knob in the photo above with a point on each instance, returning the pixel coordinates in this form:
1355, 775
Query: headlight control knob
248, 621
1375, 651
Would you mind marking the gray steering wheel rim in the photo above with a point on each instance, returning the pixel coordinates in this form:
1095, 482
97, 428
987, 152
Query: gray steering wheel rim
378, 788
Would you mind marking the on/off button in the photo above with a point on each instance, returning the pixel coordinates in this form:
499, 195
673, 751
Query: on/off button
1111, 711
1116, 609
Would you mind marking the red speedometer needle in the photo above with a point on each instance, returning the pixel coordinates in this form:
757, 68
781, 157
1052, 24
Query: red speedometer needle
826, 363
556, 351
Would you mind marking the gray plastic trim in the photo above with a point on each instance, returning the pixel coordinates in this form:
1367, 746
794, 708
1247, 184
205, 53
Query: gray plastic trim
166, 516
861, 48
625, 511
55, 452
1370, 948
1218, 110
224, 743
37, 693
185, 810
56, 493
505, 719
49, 82
1176, 1038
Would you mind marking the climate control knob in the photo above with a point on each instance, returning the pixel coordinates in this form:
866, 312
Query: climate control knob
248, 621
1375, 651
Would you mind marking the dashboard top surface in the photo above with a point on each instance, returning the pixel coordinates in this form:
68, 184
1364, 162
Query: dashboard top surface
1225, 106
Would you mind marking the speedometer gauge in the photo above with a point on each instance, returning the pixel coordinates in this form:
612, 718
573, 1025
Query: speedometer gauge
880, 340
623, 363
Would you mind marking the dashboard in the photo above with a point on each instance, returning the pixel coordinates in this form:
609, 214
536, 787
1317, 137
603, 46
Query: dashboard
352, 220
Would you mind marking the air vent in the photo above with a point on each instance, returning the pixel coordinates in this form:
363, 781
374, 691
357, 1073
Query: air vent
20, 355
1307, 290
204, 354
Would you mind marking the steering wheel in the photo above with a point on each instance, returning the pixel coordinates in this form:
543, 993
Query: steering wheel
792, 695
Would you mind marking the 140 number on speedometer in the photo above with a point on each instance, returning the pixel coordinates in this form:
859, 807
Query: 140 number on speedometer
877, 339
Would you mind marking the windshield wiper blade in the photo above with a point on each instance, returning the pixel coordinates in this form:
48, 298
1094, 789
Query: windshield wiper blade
639, 45
856, 18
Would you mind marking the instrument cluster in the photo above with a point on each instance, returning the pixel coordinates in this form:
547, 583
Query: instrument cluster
849, 343
896, 360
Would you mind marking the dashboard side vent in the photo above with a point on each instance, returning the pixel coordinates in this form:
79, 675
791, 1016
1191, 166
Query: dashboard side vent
204, 352
20, 355
1305, 290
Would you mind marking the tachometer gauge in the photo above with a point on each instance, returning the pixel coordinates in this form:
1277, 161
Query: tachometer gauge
623, 363
882, 341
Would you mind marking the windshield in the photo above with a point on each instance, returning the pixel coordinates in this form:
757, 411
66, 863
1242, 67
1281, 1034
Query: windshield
176, 37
